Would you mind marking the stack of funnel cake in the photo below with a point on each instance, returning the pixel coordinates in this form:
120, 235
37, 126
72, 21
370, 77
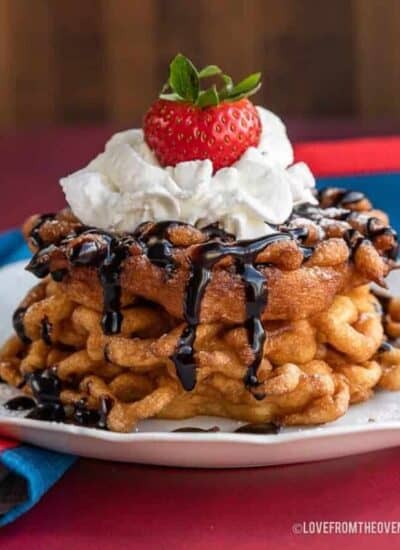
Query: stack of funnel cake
173, 321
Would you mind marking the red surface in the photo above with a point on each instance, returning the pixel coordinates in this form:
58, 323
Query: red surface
350, 157
6, 444
99, 505
32, 163
107, 506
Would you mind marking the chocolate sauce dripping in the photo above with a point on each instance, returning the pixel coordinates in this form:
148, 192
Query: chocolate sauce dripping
300, 234
353, 237
40, 262
35, 231
205, 256
105, 407
107, 254
18, 324
183, 359
46, 388
354, 240
45, 385
307, 251
214, 232
316, 214
90, 252
341, 197
45, 331
156, 246
58, 275
385, 346
256, 301
109, 276
352, 197
84, 416
20, 403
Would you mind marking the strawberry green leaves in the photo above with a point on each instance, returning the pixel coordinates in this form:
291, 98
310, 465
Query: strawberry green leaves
184, 84
246, 87
184, 78
208, 97
210, 70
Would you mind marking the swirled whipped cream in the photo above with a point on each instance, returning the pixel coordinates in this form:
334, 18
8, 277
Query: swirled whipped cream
125, 186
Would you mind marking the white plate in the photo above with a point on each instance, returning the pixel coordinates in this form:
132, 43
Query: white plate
366, 427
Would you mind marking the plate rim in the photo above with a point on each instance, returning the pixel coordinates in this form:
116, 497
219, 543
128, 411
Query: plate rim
318, 432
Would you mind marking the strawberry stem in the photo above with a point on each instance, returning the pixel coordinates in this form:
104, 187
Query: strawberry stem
184, 84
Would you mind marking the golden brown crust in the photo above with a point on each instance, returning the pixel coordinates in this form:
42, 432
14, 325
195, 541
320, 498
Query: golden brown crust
310, 290
311, 370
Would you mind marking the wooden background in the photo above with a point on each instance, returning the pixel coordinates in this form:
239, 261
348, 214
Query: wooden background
85, 61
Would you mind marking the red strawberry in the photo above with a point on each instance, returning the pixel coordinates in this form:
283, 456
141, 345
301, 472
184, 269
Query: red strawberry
190, 124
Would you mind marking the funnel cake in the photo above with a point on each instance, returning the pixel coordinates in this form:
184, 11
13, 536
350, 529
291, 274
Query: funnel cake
222, 284
173, 321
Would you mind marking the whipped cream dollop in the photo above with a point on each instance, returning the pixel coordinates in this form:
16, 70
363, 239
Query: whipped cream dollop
125, 186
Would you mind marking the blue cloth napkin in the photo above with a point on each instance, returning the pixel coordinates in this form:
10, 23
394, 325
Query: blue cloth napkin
13, 247
37, 469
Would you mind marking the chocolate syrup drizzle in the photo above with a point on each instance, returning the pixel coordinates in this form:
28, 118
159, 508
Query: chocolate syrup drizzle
46, 388
109, 275
18, 324
107, 252
155, 244
340, 197
372, 229
35, 237
46, 330
204, 257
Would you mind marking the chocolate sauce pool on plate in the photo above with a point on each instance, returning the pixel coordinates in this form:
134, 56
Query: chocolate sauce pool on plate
266, 428
189, 429
259, 429
46, 388
20, 403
